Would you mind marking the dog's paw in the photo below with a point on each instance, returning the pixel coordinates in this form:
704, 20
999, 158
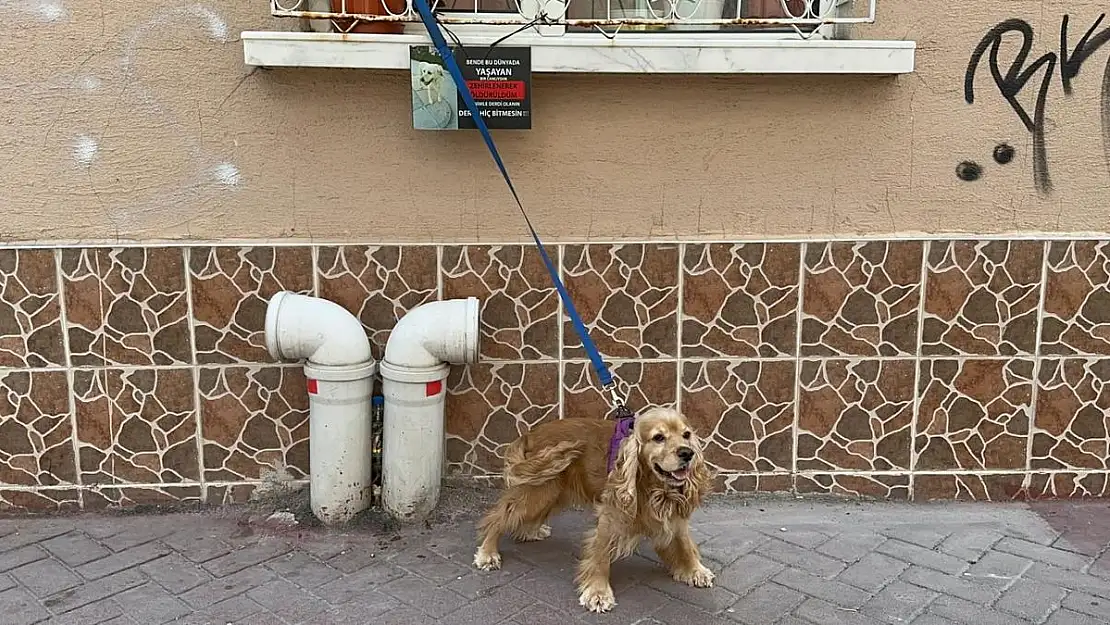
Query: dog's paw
597, 599
534, 534
487, 561
701, 577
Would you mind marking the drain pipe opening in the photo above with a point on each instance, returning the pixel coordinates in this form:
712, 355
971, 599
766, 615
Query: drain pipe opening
414, 372
340, 376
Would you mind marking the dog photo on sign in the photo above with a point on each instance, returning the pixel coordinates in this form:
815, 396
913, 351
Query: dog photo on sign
435, 104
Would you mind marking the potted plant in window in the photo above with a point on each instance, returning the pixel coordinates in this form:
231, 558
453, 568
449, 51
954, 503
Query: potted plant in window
369, 7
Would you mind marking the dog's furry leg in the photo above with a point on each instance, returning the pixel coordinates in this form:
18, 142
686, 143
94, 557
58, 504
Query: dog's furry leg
680, 555
521, 511
598, 552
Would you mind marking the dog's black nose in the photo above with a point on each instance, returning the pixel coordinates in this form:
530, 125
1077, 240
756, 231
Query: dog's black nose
685, 453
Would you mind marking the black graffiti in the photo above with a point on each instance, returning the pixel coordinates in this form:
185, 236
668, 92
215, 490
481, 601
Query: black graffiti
1018, 75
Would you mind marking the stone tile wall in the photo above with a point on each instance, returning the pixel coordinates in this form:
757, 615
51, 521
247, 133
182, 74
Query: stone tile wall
925, 369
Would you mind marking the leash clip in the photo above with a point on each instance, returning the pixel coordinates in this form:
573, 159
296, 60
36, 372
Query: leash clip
620, 410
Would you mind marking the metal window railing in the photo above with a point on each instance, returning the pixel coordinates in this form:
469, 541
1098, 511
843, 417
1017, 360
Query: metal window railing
803, 17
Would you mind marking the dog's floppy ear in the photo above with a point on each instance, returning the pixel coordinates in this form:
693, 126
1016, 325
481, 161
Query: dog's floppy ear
620, 489
701, 477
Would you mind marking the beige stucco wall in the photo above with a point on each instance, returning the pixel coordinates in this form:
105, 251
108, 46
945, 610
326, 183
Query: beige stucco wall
143, 123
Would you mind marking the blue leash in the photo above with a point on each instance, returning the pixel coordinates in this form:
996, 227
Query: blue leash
602, 370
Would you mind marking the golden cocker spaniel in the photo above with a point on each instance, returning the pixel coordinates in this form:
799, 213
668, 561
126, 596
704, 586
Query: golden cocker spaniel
657, 479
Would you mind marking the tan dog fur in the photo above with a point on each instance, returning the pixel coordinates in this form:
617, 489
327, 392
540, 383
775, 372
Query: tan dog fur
563, 463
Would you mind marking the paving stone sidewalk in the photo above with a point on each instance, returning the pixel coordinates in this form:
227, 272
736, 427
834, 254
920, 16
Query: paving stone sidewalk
778, 562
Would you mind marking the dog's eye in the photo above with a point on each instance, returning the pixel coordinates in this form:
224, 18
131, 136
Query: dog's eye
659, 438
686, 435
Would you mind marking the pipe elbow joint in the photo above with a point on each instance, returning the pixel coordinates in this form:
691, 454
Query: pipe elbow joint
444, 331
315, 329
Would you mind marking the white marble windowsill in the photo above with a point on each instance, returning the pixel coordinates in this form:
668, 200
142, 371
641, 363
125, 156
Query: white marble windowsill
640, 53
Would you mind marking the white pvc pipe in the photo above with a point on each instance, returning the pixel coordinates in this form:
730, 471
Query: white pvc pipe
340, 378
414, 372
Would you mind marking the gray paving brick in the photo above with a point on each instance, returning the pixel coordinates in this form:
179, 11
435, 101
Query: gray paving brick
151, 604
141, 534
429, 565
246, 557
961, 587
303, 570
123, 560
20, 608
1089, 605
835, 592
873, 572
20, 556
922, 556
45, 577
748, 572
494, 608
997, 569
405, 615
765, 604
175, 573
543, 614
74, 548
954, 608
349, 587
825, 613
806, 538
801, 558
92, 614
91, 592
1041, 553
670, 613
365, 609
727, 547
197, 544
971, 544
291, 602
6, 582
1030, 599
925, 537
424, 595
225, 587
931, 619
31, 533
231, 610
898, 603
1067, 617
851, 547
1072, 580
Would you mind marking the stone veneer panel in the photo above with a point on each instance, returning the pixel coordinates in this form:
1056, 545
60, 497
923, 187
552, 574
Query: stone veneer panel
981, 298
254, 422
740, 300
30, 310
627, 295
973, 414
136, 426
520, 307
861, 299
921, 371
378, 284
127, 306
231, 286
744, 411
490, 405
1077, 299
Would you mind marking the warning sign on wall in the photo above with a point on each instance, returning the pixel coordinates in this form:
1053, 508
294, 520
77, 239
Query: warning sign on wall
500, 79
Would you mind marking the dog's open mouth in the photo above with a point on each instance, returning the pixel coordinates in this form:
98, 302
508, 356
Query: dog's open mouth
676, 477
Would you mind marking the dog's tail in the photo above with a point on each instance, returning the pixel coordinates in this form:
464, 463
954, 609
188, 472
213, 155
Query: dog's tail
524, 466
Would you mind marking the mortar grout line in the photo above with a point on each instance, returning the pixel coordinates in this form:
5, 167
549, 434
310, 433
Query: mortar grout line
926, 246
71, 395
679, 312
524, 241
197, 417
1032, 413
560, 251
798, 318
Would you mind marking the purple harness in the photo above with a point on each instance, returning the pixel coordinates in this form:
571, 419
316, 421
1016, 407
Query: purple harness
623, 429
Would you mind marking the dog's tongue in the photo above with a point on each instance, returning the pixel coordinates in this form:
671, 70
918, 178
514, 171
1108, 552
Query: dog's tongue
680, 474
